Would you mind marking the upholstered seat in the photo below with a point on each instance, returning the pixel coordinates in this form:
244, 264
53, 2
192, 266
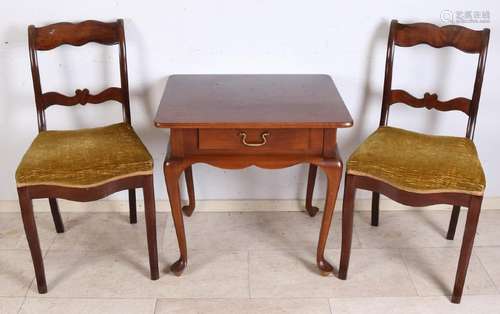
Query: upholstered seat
419, 163
84, 158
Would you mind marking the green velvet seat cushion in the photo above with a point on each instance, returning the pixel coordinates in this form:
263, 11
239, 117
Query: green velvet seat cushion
419, 163
84, 158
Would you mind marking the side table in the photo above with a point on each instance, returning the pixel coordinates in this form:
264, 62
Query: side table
237, 121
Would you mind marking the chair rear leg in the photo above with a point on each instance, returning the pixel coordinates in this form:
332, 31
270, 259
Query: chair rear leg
150, 214
375, 208
132, 206
453, 222
29, 223
56, 215
311, 180
467, 244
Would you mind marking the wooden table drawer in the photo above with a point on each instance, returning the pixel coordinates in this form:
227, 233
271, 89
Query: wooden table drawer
261, 140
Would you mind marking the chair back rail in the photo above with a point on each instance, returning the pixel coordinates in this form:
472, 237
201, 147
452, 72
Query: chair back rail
77, 34
458, 37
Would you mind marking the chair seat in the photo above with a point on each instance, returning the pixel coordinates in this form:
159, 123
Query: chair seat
419, 163
84, 158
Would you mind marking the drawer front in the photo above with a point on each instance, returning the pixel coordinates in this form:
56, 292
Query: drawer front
256, 141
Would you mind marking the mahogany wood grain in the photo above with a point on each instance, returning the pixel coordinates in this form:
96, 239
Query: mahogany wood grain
347, 224
189, 208
430, 101
207, 113
251, 101
77, 34
453, 222
333, 171
150, 217
132, 205
82, 97
30, 229
173, 170
408, 35
459, 37
311, 180
375, 208
467, 244
56, 215
277, 140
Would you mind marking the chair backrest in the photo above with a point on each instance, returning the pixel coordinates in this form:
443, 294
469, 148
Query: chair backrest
459, 37
78, 34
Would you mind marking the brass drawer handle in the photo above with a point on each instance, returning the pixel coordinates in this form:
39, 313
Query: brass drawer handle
264, 136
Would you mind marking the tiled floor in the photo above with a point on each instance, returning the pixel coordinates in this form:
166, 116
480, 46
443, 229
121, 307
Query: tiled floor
249, 263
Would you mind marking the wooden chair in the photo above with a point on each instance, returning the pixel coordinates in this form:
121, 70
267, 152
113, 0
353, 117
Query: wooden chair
417, 169
88, 164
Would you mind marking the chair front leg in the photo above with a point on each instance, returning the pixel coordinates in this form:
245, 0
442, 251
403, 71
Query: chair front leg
467, 244
150, 215
56, 215
29, 223
347, 223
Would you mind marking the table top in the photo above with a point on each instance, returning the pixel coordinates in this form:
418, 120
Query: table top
251, 101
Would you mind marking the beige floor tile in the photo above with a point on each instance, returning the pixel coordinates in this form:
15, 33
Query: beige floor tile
247, 306
255, 231
487, 230
484, 304
125, 274
16, 272
433, 272
407, 229
10, 305
12, 234
88, 306
294, 274
490, 259
108, 231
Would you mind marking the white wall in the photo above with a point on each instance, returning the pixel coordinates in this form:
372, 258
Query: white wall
346, 39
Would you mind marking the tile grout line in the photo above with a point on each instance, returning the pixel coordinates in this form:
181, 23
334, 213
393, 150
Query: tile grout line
486, 270
248, 275
22, 304
51, 244
330, 305
51, 249
44, 258
355, 231
408, 271
156, 304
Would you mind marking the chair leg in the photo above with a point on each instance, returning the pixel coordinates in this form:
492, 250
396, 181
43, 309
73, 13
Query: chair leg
311, 179
453, 222
56, 215
347, 218
188, 209
29, 223
150, 214
467, 244
375, 208
132, 206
